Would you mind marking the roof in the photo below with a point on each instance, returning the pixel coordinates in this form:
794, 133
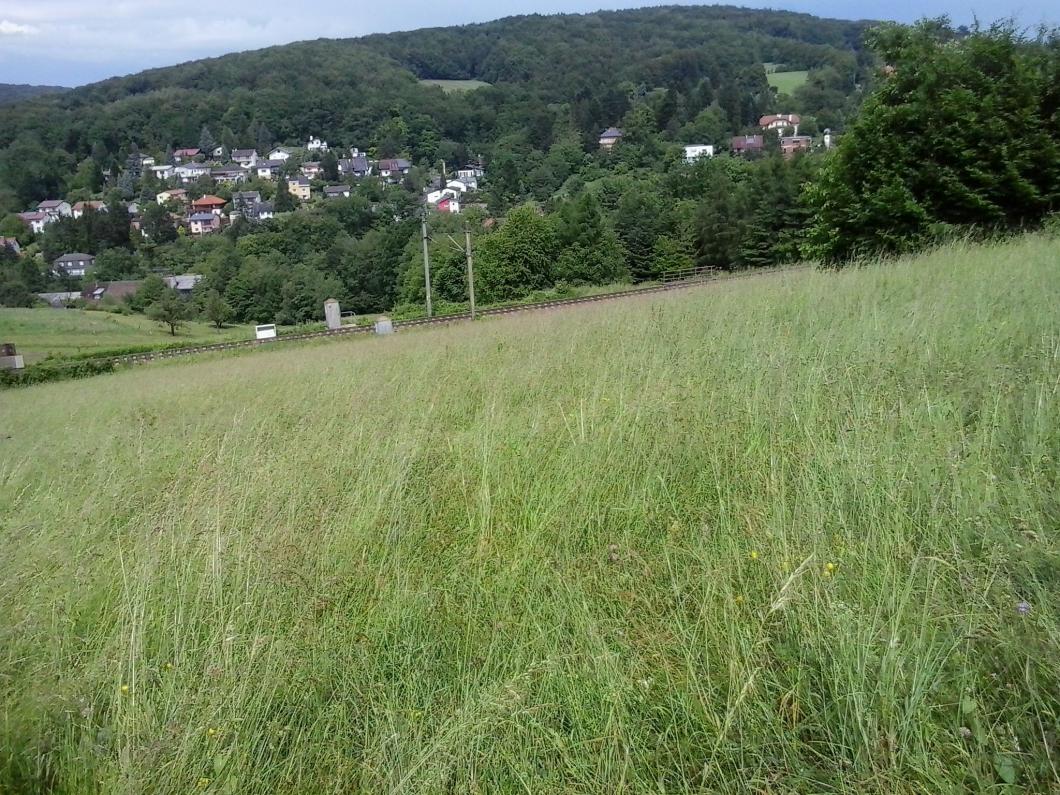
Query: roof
184, 281
264, 207
186, 152
209, 201
359, 163
114, 289
32, 215
747, 142
49, 204
394, 164
243, 152
285, 149
89, 205
75, 257
611, 132
247, 194
200, 217
336, 190
787, 118
269, 164
300, 181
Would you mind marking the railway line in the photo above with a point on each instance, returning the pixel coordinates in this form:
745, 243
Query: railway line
683, 284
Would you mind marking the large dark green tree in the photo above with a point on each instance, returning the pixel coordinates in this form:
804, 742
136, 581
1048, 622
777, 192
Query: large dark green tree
961, 132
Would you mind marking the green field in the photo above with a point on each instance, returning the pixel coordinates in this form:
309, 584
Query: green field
786, 82
451, 86
38, 333
771, 535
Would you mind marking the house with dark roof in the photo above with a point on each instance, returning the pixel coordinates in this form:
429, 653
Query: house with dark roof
790, 144
189, 172
35, 221
229, 175
747, 144
610, 137
357, 166
74, 264
299, 188
394, 168
312, 170
281, 153
184, 283
245, 157
115, 291
203, 223
337, 192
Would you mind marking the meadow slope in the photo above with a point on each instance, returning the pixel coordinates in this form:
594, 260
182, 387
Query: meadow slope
786, 535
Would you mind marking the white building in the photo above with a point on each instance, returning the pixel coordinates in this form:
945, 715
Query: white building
281, 153
695, 151
316, 145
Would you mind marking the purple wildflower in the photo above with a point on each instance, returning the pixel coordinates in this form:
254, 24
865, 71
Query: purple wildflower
1023, 607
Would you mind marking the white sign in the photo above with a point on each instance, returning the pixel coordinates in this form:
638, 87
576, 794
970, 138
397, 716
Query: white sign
266, 332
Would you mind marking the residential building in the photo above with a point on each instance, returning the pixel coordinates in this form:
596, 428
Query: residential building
36, 221
610, 137
337, 192
178, 195
208, 204
264, 211
73, 264
790, 144
268, 169
312, 170
299, 188
184, 155
462, 185
11, 243
203, 223
55, 209
110, 290
747, 144
695, 151
189, 172
356, 166
163, 172
245, 204
279, 153
184, 283
393, 169
473, 170
780, 122
316, 145
245, 157
146, 161
229, 175
80, 208
450, 205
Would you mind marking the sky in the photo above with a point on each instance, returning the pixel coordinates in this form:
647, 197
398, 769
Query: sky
73, 42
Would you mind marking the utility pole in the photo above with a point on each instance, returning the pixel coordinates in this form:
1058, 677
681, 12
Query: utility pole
426, 265
470, 270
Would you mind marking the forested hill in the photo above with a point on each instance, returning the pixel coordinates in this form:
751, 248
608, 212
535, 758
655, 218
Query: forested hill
549, 76
13, 92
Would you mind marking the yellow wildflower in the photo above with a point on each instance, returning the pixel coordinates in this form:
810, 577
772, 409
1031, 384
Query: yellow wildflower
754, 554
125, 688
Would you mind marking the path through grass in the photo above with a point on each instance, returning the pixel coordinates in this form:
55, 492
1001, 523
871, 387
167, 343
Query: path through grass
772, 536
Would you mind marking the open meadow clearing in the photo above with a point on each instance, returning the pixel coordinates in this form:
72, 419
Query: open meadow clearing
790, 534
39, 333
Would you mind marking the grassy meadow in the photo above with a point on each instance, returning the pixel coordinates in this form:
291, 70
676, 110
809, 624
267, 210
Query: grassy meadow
454, 86
794, 534
787, 82
42, 332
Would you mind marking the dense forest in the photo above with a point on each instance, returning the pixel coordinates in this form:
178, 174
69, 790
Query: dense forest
13, 92
941, 131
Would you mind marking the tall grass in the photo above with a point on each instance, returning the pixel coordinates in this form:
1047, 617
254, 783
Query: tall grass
766, 536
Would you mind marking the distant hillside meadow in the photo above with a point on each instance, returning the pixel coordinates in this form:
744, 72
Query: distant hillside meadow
788, 534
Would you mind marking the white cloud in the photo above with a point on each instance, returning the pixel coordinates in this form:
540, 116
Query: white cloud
9, 28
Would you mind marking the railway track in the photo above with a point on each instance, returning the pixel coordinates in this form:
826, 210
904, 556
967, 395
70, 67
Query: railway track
149, 356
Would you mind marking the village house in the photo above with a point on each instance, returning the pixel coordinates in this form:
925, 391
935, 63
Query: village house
73, 265
183, 155
312, 170
436, 196
356, 166
11, 243
393, 169
245, 157
268, 169
80, 208
450, 205
299, 188
244, 204
462, 185
228, 175
780, 122
337, 192
281, 153
203, 223
747, 144
263, 211
113, 291
55, 209
35, 221
610, 137
473, 170
178, 195
695, 151
189, 172
146, 161
316, 145
163, 172
790, 144
184, 283
208, 204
